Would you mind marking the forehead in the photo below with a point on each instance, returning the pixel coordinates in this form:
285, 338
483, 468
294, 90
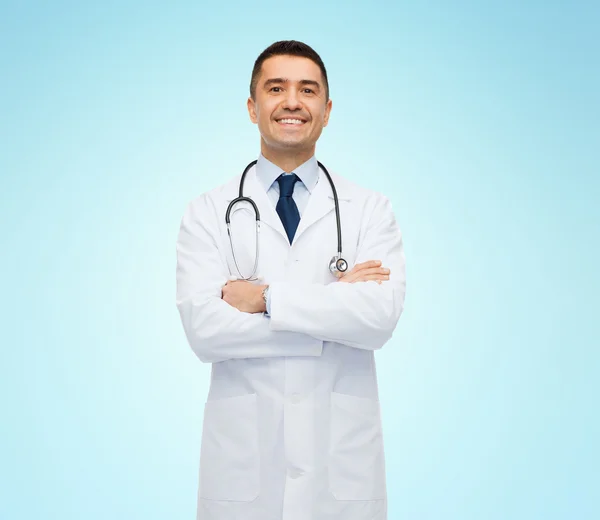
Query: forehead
295, 68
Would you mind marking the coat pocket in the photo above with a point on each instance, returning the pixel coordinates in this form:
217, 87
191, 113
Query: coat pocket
229, 455
356, 457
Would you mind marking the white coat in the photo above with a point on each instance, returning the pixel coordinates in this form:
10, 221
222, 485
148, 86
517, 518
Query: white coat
292, 423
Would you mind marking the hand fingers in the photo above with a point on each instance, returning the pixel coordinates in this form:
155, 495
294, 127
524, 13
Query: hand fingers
374, 270
377, 277
364, 265
367, 271
368, 263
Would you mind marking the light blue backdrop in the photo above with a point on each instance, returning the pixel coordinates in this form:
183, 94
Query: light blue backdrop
478, 120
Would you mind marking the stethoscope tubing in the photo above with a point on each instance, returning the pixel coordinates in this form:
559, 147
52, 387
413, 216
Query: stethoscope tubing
241, 198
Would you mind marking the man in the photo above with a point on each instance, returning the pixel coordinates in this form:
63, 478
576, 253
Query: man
292, 425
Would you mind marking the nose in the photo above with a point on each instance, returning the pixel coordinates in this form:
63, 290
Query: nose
291, 101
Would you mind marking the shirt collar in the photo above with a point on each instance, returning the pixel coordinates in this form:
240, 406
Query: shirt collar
267, 172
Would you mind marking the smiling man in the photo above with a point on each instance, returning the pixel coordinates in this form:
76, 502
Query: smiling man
292, 424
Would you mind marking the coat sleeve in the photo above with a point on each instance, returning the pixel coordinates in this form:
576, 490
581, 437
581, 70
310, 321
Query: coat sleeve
215, 330
362, 314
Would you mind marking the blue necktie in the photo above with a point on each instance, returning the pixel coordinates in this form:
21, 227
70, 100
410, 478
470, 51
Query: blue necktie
286, 207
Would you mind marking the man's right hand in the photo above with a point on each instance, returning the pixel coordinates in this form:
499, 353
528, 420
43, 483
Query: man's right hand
370, 270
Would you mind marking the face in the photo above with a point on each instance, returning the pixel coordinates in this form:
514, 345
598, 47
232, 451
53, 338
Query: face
290, 106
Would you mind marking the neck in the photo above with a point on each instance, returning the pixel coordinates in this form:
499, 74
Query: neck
287, 160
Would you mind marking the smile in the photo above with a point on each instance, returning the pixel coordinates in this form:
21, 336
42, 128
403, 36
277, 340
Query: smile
296, 122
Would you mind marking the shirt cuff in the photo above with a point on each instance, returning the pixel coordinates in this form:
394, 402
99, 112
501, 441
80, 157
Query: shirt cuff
268, 305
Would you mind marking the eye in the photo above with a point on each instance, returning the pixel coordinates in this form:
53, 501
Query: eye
273, 89
309, 90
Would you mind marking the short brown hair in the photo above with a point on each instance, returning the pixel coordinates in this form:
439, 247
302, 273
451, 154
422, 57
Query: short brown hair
289, 48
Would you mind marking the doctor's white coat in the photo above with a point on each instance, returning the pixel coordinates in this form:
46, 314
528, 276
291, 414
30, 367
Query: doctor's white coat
292, 423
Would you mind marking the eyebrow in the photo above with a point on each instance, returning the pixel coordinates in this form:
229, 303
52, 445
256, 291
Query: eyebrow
285, 80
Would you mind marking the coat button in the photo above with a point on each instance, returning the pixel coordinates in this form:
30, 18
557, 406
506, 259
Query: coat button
295, 473
295, 398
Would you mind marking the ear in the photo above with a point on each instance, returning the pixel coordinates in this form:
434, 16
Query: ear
327, 112
252, 110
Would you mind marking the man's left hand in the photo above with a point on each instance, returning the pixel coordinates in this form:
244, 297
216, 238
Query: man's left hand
244, 296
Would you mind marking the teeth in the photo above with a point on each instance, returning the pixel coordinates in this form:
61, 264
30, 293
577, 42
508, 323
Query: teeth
291, 121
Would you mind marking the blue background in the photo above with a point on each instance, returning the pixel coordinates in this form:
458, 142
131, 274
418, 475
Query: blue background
478, 120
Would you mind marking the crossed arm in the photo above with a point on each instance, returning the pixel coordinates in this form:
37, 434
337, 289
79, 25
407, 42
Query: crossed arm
224, 320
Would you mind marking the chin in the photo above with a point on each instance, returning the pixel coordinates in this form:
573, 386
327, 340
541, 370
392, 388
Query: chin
290, 145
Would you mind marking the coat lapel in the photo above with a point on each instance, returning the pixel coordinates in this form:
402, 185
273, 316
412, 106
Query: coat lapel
253, 190
321, 202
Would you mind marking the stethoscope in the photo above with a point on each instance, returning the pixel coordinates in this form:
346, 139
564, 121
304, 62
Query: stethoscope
337, 264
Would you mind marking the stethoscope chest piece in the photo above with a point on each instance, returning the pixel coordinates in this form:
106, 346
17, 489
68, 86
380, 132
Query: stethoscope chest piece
338, 265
